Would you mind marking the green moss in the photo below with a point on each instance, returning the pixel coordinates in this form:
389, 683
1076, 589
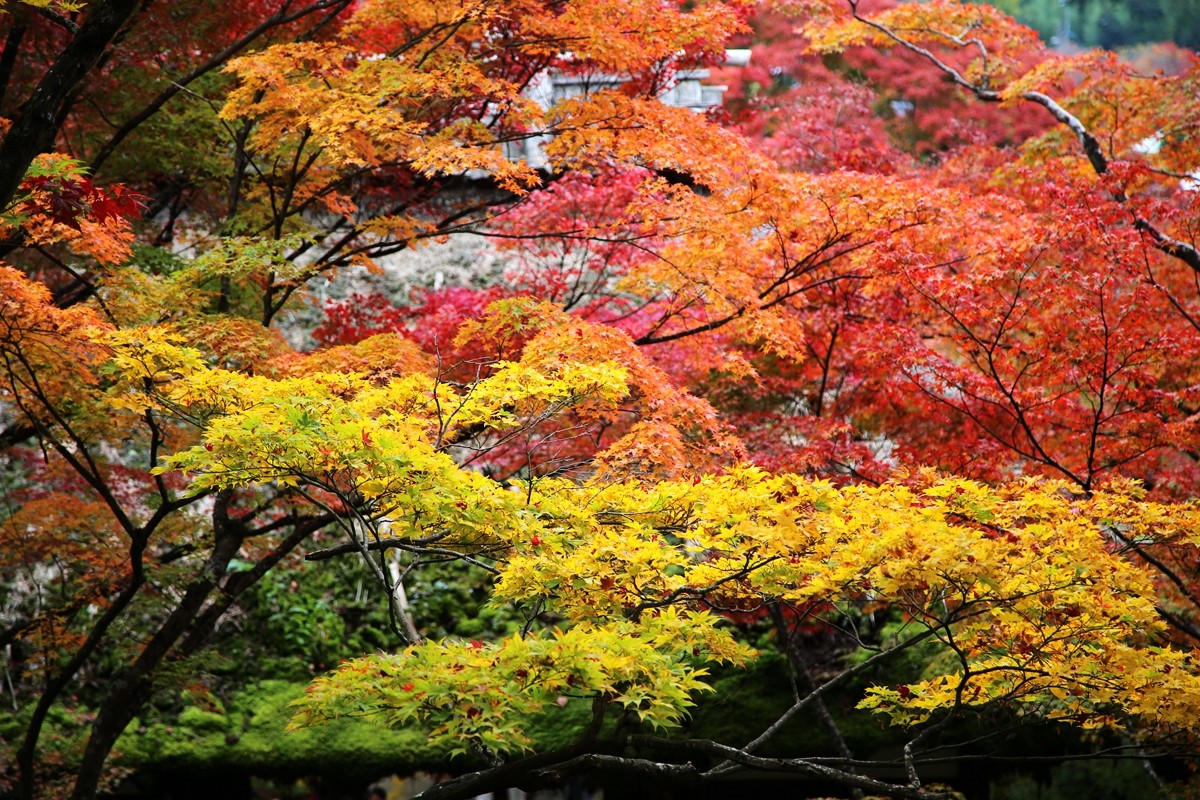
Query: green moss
559, 726
251, 738
199, 720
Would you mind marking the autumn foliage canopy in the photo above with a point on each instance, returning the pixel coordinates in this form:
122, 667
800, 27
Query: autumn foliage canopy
891, 359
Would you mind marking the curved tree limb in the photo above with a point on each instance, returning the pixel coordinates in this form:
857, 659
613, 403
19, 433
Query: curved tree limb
33, 131
1174, 248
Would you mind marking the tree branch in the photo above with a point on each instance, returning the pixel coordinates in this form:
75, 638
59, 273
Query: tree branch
34, 130
1174, 248
219, 58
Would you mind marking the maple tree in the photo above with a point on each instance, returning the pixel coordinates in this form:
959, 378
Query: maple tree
807, 366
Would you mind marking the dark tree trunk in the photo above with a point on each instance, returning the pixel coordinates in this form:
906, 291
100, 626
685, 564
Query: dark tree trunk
34, 129
185, 631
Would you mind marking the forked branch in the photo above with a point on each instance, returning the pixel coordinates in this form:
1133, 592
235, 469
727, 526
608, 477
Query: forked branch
1169, 246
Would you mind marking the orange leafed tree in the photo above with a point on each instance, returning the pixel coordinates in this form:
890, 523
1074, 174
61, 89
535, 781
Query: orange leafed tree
908, 392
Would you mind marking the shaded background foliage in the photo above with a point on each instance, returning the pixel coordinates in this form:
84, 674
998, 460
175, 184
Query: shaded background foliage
1110, 24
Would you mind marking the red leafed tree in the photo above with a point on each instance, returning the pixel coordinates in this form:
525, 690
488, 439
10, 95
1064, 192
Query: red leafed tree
1054, 334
